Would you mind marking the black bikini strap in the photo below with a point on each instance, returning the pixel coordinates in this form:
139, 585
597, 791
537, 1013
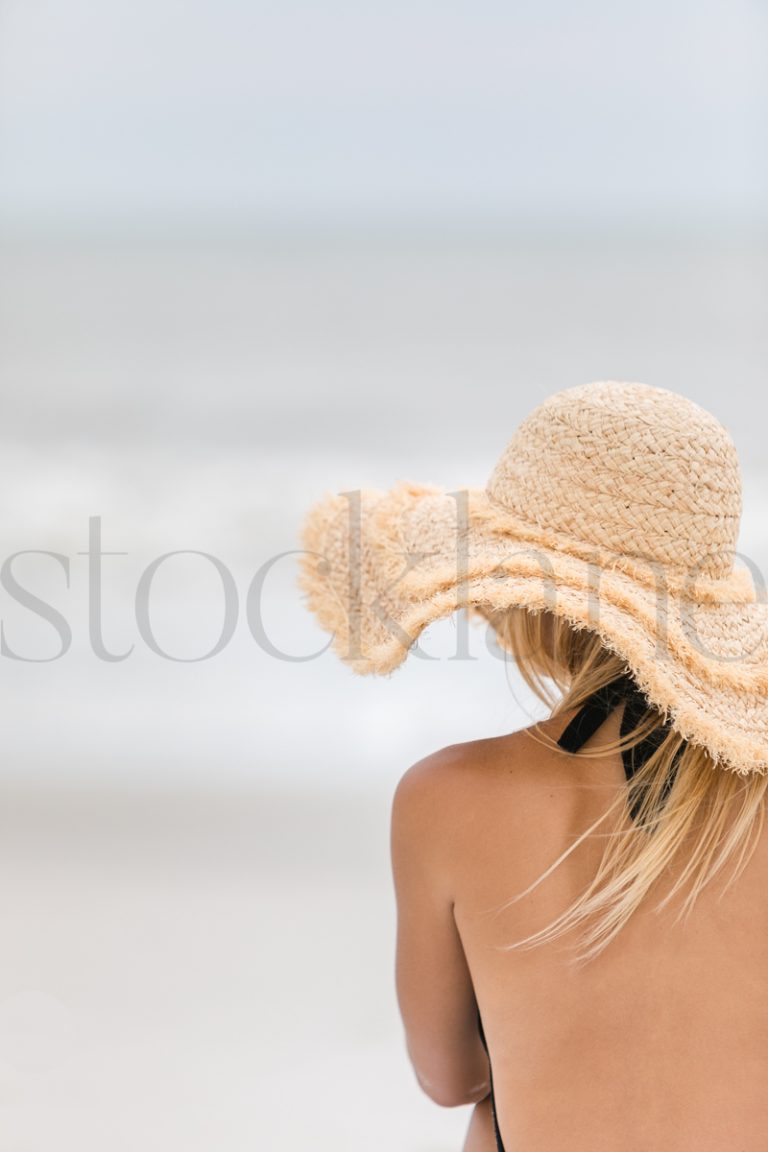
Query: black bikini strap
634, 758
496, 1131
595, 711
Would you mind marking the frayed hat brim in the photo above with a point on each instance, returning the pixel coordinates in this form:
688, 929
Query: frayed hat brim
378, 567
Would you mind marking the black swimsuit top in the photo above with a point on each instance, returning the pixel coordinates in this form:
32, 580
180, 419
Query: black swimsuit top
587, 720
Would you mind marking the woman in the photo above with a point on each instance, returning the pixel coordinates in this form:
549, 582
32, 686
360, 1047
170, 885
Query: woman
584, 899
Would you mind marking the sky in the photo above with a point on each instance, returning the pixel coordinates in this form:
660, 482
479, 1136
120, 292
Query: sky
238, 110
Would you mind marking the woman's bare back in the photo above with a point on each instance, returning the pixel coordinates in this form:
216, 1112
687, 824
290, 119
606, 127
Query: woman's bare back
661, 1043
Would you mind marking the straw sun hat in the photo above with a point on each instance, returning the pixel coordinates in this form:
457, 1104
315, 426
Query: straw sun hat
615, 505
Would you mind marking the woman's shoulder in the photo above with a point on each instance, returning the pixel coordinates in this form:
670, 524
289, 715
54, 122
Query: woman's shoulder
524, 746
467, 773
490, 799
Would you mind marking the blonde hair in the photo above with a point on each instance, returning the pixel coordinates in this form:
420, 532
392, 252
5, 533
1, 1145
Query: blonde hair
680, 795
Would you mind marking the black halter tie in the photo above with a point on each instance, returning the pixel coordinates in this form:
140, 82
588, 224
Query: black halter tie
596, 709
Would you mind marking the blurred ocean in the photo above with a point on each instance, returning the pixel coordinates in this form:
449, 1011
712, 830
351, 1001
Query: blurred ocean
200, 395
194, 872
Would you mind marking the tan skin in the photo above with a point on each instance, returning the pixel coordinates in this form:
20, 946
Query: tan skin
660, 1044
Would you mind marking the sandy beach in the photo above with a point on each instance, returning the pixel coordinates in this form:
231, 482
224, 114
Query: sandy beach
201, 972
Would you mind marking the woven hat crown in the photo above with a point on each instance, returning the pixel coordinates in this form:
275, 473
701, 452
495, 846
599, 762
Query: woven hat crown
629, 468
